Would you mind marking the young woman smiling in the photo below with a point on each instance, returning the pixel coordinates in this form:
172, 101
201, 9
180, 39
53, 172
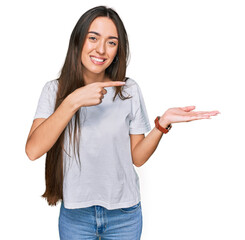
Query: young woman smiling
93, 134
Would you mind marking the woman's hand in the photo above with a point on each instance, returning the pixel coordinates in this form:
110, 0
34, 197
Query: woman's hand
92, 94
184, 114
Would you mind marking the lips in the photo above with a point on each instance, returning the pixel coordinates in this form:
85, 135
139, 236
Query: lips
97, 60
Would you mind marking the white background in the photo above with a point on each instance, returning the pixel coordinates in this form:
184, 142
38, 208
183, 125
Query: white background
182, 53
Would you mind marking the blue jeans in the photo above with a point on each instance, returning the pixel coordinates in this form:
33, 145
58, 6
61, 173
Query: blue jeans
93, 222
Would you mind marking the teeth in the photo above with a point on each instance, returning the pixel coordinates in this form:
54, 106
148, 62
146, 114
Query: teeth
97, 59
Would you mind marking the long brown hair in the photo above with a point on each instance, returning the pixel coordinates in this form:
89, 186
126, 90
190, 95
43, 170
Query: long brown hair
71, 78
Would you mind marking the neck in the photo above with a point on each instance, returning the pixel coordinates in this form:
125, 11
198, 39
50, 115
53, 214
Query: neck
93, 77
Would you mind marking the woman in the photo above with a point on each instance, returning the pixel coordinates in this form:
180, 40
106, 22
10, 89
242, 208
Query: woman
91, 123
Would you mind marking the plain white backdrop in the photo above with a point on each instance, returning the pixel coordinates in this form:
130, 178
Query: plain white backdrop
182, 53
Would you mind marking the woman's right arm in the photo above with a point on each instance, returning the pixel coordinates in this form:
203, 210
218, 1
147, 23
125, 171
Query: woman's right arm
45, 132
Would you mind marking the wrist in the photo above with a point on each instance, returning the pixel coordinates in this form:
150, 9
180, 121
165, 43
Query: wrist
163, 122
165, 127
70, 100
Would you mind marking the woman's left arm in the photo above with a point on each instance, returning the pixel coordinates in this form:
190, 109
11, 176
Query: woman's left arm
142, 151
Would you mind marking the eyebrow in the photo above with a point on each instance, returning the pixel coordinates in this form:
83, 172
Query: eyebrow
110, 37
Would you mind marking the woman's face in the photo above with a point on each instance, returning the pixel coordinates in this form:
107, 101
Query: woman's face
100, 46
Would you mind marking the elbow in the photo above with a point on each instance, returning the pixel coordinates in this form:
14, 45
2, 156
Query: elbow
31, 157
29, 154
137, 164
136, 161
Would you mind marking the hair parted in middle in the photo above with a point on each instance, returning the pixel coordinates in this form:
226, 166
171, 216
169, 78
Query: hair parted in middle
71, 78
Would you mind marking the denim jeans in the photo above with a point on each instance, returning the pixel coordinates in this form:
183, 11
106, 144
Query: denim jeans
97, 222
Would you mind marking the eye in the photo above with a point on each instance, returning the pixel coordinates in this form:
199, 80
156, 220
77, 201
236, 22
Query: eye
92, 38
112, 43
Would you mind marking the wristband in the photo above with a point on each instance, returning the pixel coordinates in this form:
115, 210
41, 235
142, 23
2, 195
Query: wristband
159, 127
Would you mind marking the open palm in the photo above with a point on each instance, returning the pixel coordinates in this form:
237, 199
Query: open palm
184, 114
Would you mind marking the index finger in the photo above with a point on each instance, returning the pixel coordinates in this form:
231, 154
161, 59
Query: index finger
111, 83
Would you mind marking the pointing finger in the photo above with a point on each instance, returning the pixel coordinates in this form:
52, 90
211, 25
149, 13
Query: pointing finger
111, 84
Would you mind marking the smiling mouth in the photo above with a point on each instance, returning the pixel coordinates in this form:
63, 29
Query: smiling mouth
97, 60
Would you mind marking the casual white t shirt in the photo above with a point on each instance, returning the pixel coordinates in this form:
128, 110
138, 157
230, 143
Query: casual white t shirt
106, 176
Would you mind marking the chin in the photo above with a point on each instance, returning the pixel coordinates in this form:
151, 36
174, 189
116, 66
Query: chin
98, 69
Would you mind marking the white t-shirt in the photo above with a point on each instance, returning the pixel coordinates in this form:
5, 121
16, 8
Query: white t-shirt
107, 176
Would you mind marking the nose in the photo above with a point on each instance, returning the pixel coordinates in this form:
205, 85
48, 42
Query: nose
100, 48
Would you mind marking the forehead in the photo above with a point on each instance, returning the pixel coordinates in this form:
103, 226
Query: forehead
104, 26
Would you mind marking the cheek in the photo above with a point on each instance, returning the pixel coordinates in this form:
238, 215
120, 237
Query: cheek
86, 47
113, 52
85, 51
83, 56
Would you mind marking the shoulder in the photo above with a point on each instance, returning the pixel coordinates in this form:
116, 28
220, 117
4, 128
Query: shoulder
51, 86
131, 85
130, 82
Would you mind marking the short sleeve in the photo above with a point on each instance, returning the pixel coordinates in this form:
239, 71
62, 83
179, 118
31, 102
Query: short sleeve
140, 123
47, 99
